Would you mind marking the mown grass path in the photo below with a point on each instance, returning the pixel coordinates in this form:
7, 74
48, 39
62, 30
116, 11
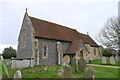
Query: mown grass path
104, 65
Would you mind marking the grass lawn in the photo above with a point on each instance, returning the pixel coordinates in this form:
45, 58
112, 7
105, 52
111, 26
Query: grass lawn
97, 61
104, 72
52, 70
0, 67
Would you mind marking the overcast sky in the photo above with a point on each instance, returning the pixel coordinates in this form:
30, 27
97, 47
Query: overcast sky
82, 15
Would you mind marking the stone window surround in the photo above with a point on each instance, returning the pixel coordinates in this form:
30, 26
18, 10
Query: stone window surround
45, 45
59, 48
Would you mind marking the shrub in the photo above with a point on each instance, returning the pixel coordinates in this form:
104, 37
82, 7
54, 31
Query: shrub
108, 52
9, 52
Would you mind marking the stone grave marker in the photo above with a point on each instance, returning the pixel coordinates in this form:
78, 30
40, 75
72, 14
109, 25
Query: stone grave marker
117, 58
66, 60
73, 63
81, 64
9, 62
67, 72
2, 59
17, 75
104, 60
90, 73
112, 60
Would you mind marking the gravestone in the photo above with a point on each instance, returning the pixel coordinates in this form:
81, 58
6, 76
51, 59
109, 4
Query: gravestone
112, 60
117, 58
17, 75
9, 62
2, 60
67, 72
104, 60
66, 60
81, 64
73, 63
76, 60
90, 73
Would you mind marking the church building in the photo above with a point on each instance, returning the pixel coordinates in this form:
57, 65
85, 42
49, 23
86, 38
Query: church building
48, 42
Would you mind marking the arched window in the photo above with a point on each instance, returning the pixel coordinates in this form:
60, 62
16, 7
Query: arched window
23, 38
45, 50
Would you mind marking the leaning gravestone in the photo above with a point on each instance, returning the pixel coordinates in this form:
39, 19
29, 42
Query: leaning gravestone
81, 64
17, 75
73, 63
112, 60
2, 59
104, 60
66, 60
67, 72
90, 73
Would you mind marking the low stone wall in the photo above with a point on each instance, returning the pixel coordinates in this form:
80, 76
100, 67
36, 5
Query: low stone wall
24, 63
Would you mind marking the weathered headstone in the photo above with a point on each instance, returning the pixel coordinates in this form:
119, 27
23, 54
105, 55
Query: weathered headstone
2, 59
90, 73
67, 72
117, 58
8, 62
17, 75
66, 60
77, 58
81, 64
104, 60
73, 63
112, 60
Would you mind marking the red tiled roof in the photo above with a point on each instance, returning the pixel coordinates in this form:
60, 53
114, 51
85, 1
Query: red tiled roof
88, 40
73, 47
51, 30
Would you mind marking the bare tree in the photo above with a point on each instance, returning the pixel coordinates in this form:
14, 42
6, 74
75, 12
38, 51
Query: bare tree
109, 35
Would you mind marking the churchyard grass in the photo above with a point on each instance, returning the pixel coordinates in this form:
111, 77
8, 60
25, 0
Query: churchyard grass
52, 71
106, 72
98, 61
0, 66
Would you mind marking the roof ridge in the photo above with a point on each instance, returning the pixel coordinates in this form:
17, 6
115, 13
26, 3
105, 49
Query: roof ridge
53, 23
